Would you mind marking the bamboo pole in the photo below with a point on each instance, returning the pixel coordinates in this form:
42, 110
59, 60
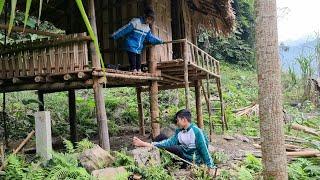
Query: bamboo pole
140, 111
97, 87
19, 148
186, 78
199, 104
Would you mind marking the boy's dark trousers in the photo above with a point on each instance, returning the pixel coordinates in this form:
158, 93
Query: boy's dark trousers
134, 60
176, 149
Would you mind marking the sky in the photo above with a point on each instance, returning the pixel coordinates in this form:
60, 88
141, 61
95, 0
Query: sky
298, 19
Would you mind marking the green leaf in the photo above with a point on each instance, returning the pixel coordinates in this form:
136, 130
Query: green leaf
40, 9
90, 30
12, 15
1, 5
26, 15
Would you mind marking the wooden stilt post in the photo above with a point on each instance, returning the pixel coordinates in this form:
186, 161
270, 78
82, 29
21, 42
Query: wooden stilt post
4, 118
72, 116
154, 88
223, 118
140, 111
41, 100
186, 76
199, 104
97, 87
209, 107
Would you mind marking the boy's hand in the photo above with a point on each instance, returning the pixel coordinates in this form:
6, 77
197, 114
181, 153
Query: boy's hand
138, 142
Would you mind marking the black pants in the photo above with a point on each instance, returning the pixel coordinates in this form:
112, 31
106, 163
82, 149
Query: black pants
134, 60
176, 149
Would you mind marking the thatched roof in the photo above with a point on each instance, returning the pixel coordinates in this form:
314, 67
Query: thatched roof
216, 14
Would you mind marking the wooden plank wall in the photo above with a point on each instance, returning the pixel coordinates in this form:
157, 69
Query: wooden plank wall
57, 59
163, 29
115, 15
118, 13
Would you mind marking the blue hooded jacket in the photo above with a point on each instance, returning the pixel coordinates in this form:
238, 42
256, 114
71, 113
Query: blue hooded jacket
135, 33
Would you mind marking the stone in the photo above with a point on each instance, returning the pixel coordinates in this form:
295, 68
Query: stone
242, 138
95, 158
168, 131
182, 174
109, 173
228, 138
144, 156
43, 134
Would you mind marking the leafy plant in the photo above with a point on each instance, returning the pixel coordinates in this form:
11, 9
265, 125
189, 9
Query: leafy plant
253, 163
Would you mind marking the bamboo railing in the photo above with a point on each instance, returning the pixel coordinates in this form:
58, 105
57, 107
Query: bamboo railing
197, 57
61, 55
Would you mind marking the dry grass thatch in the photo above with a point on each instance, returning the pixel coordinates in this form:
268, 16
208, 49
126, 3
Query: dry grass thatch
216, 14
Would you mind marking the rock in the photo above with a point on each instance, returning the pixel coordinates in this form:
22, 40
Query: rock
242, 138
144, 156
211, 148
169, 130
108, 173
182, 174
227, 137
95, 158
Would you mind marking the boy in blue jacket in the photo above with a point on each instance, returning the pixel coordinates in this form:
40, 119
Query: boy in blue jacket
135, 33
188, 142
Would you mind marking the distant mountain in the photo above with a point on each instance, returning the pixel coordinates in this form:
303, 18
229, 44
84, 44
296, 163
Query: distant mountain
291, 50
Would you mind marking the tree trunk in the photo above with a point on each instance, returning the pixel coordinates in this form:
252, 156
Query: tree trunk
270, 95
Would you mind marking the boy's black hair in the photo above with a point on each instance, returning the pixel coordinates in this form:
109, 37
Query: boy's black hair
148, 12
183, 113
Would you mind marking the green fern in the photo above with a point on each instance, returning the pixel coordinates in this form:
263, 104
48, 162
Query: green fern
69, 146
15, 167
83, 145
122, 159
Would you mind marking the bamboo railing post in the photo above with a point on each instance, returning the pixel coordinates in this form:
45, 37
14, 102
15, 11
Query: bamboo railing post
97, 87
140, 111
186, 78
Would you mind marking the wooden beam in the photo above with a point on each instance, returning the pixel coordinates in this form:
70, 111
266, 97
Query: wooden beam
31, 31
154, 91
39, 79
82, 75
72, 115
125, 76
173, 78
58, 86
67, 77
41, 100
104, 141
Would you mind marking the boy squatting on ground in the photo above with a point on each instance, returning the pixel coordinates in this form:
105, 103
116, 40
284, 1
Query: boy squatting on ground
135, 33
187, 141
